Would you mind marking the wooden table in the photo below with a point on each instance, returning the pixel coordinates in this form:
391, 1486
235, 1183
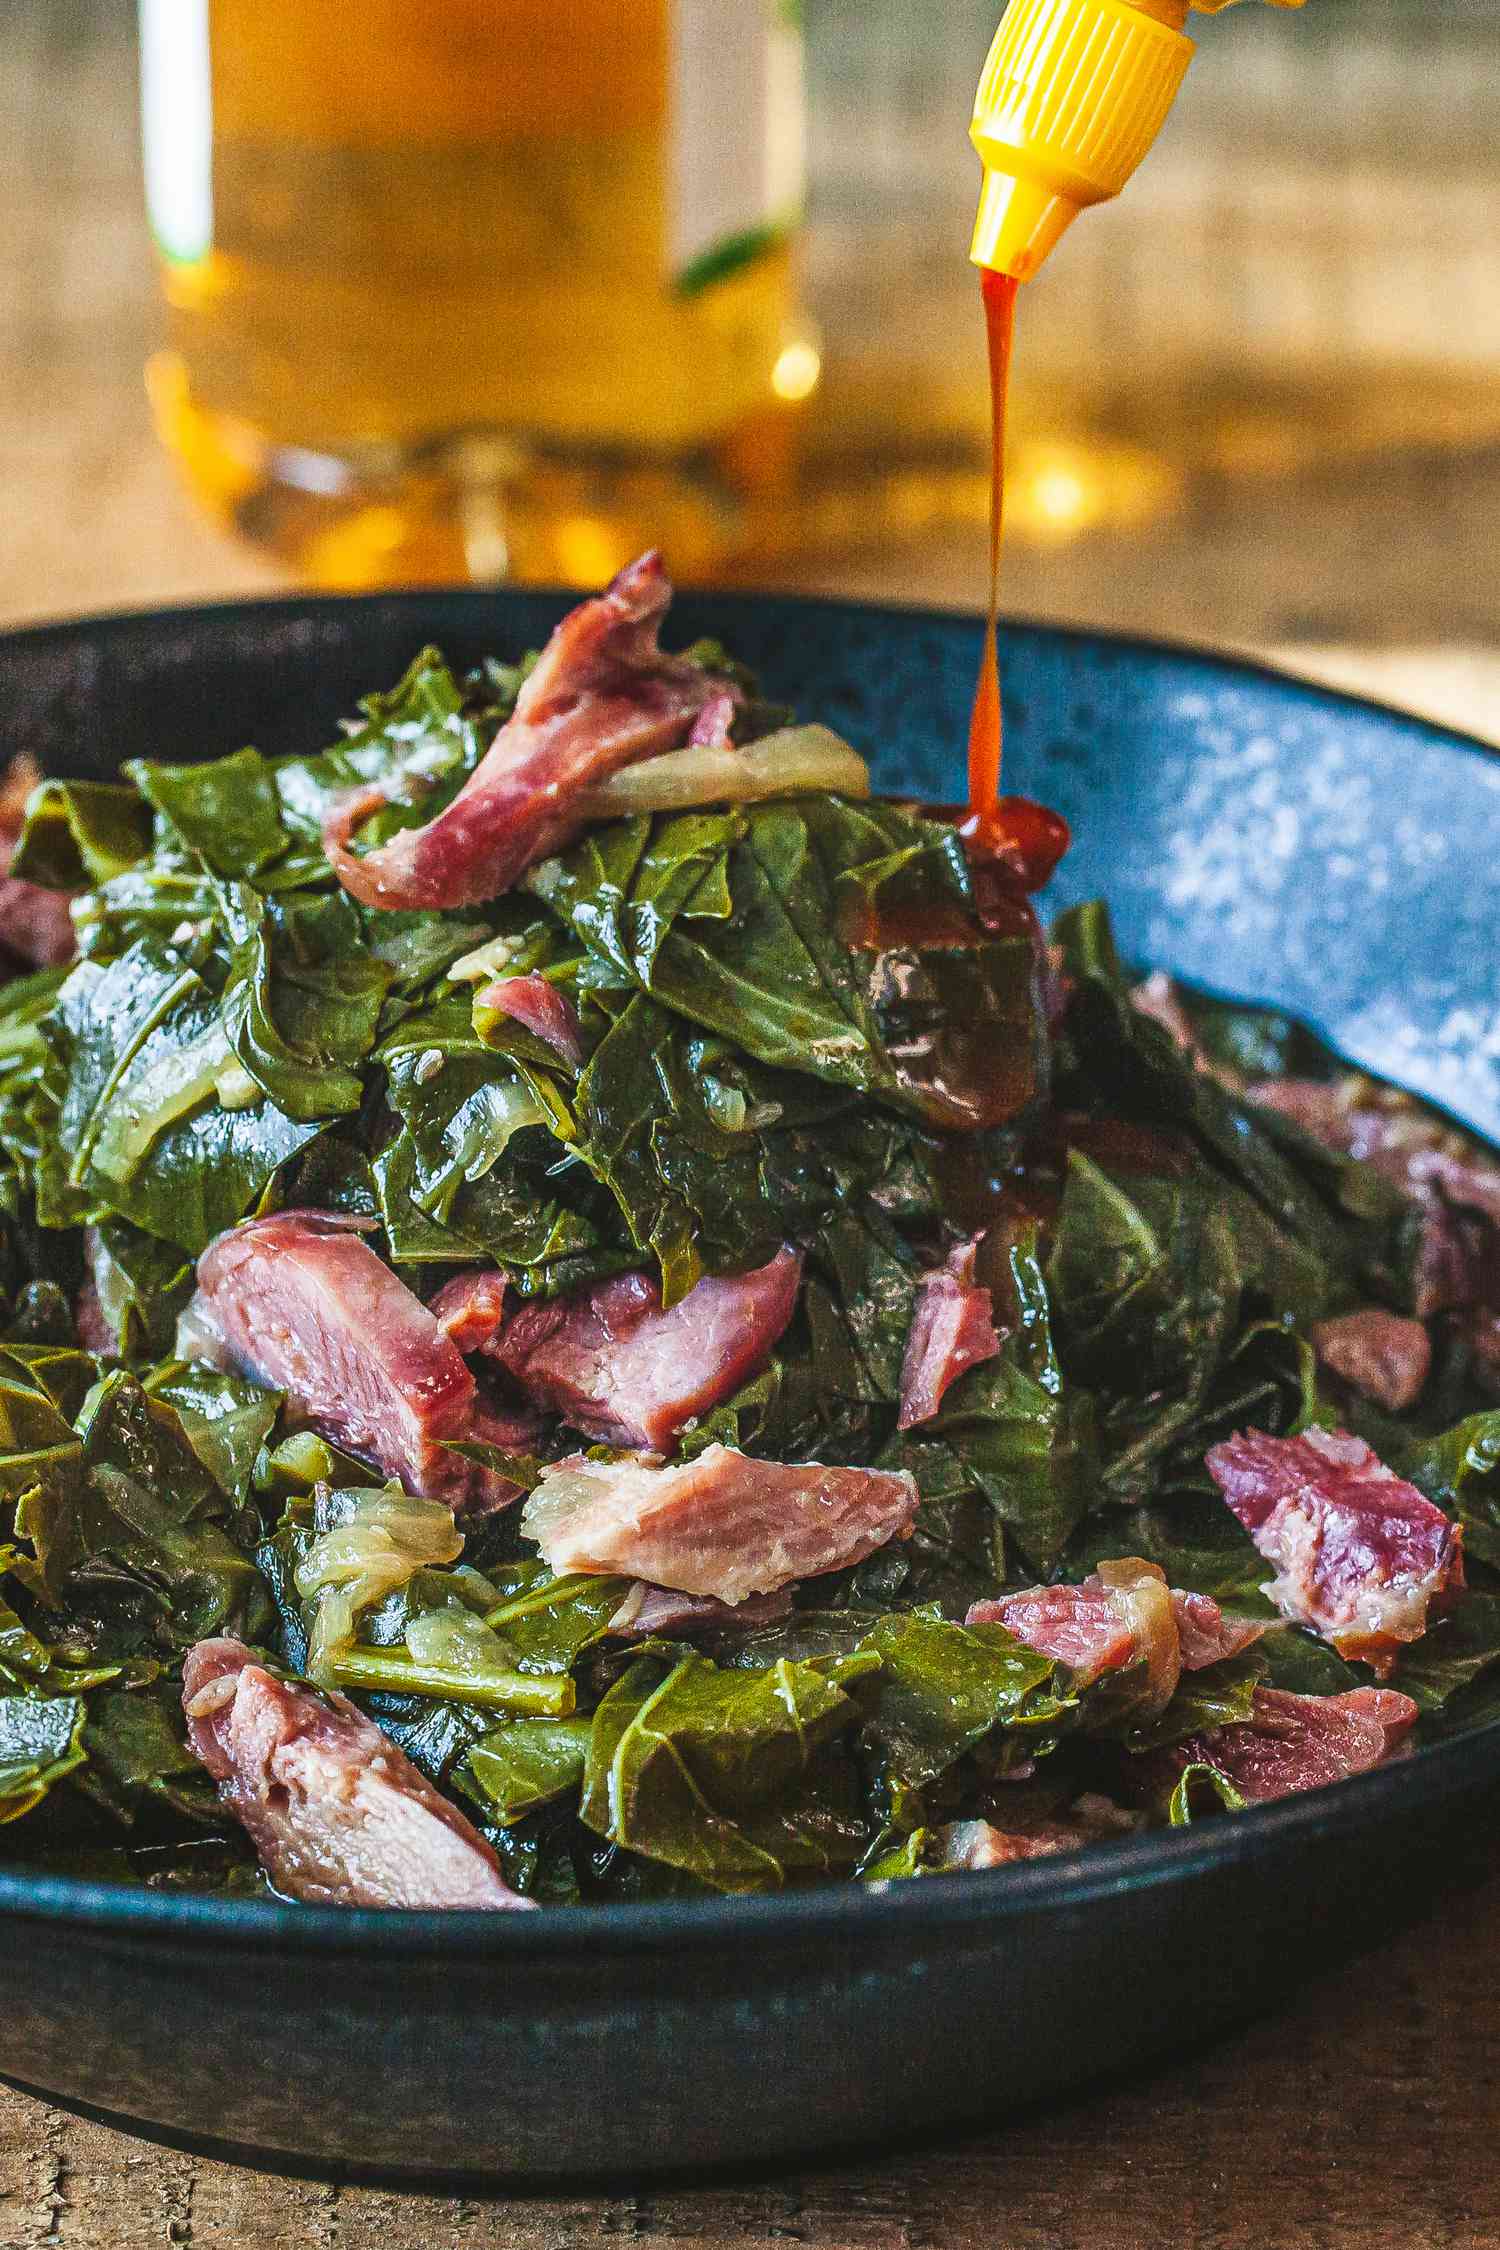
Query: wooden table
1362, 2120
1365, 2119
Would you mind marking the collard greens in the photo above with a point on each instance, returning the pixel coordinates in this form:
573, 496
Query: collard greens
799, 1020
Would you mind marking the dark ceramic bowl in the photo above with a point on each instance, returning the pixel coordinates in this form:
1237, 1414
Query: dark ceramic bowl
1256, 836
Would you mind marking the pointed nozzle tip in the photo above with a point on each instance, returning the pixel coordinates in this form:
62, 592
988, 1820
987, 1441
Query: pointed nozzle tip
1020, 221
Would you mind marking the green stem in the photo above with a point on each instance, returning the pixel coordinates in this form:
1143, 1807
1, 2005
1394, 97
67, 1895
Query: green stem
390, 1673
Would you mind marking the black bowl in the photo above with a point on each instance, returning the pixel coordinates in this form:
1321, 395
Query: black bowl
1259, 837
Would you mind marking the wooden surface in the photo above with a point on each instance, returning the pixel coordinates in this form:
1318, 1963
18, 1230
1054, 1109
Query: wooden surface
1365, 2118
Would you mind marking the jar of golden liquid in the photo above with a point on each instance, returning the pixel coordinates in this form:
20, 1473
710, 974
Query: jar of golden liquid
479, 288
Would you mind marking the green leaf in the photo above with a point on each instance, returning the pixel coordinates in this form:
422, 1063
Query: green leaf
1201, 1548
1159, 1277
420, 742
1254, 1043
165, 900
302, 1007
766, 927
1332, 1216
139, 1759
861, 1315
689, 1193
738, 1778
225, 1419
1300, 1664
532, 1762
547, 1622
944, 1692
392, 1672
142, 1284
418, 947
1459, 1470
1220, 1695
41, 1742
133, 1541
1453, 1652
1196, 1785
908, 1856
143, 1045
79, 832
38, 1442
226, 812
472, 1174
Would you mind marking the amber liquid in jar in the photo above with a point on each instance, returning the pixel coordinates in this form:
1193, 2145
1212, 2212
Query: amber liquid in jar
484, 288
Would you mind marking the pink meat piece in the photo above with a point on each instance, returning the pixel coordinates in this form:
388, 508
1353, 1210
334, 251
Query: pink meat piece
92, 1329
1323, 1109
724, 1524
601, 696
1092, 1630
619, 1368
648, 1611
1378, 1353
337, 1814
1456, 1262
1360, 1555
1074, 1625
1205, 1635
1294, 1742
469, 1309
1463, 1181
1157, 998
35, 924
302, 1303
712, 725
1090, 1819
952, 1329
540, 1006
969, 1845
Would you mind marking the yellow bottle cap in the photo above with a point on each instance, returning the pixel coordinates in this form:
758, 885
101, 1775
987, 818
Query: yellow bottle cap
1072, 96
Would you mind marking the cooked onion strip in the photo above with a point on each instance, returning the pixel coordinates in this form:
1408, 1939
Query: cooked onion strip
783, 764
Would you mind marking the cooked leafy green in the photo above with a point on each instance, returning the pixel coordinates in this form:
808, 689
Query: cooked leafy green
944, 1692
764, 924
41, 1743
743, 1779
806, 1021
133, 1537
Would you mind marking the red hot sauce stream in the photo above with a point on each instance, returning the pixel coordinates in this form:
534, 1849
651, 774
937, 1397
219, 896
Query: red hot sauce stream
1026, 835
1012, 843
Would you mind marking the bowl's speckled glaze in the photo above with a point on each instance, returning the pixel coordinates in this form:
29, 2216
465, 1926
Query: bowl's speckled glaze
1262, 838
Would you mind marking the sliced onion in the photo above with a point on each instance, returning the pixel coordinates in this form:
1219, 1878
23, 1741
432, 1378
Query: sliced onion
492, 959
390, 1537
452, 1639
1139, 1596
782, 764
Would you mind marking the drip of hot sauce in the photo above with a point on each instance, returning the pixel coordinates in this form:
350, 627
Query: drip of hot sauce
1025, 838
1000, 290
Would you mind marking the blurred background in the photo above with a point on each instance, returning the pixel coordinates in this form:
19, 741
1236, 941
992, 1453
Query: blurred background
1257, 400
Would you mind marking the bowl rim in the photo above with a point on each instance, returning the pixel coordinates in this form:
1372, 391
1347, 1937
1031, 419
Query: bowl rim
247, 609
896, 1911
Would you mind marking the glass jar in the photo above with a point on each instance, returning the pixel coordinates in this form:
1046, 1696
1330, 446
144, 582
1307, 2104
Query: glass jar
479, 288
